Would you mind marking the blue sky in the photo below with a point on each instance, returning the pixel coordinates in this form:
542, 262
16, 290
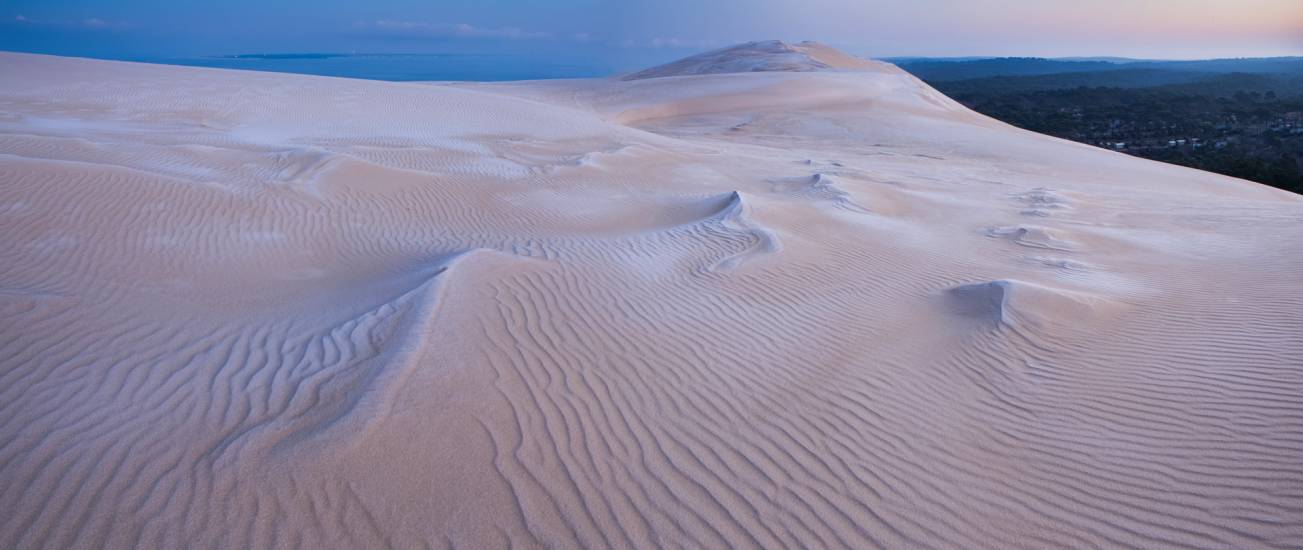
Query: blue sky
633, 28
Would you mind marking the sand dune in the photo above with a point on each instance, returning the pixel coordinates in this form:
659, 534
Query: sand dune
767, 297
765, 56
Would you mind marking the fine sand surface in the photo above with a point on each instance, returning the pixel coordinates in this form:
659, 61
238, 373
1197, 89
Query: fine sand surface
767, 297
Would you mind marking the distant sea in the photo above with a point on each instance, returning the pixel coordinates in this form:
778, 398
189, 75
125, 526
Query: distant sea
401, 67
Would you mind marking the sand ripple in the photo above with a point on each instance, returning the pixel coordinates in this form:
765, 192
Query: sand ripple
246, 310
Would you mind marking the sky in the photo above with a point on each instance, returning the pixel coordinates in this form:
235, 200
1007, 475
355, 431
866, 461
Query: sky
656, 29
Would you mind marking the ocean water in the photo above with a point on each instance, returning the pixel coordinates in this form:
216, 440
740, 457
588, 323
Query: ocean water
404, 67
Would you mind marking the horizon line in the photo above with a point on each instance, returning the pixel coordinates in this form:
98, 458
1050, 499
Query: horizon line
949, 57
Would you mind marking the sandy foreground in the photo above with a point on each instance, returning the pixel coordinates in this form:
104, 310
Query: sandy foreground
701, 308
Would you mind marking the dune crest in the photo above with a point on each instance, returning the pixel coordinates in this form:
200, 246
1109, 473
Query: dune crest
771, 296
763, 56
736, 216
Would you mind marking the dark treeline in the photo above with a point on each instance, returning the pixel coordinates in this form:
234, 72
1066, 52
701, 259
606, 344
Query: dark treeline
1245, 125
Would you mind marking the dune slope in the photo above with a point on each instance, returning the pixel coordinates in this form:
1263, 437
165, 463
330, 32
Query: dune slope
811, 305
763, 56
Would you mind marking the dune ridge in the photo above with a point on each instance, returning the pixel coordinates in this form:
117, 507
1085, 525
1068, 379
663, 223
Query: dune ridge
762, 56
771, 296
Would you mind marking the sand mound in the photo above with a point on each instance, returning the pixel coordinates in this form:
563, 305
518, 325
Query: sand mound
765, 56
1017, 302
818, 187
251, 310
1031, 236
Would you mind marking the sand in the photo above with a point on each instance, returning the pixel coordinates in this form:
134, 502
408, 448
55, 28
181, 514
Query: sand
764, 298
